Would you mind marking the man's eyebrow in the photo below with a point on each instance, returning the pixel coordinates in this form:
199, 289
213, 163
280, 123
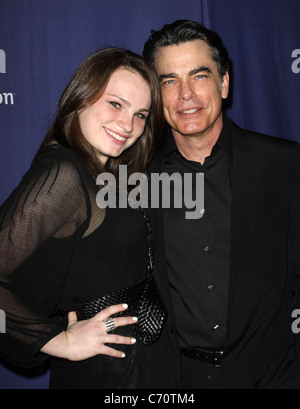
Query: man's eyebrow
192, 72
200, 69
170, 75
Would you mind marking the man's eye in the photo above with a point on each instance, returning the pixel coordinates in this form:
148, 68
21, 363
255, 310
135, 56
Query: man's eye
115, 104
168, 82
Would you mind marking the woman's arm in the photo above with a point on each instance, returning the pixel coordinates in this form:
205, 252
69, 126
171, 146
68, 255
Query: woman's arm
47, 199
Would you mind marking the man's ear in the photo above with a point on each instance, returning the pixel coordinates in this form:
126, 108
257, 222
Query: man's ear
225, 86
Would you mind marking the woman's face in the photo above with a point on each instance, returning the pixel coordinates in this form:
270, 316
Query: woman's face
118, 118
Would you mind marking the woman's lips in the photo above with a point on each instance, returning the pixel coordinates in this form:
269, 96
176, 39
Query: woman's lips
116, 136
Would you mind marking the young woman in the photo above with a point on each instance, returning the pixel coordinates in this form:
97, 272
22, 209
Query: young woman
59, 252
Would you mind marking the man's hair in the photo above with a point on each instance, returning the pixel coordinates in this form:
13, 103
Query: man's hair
182, 31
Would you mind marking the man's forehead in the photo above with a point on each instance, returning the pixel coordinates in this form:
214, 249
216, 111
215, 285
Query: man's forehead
184, 57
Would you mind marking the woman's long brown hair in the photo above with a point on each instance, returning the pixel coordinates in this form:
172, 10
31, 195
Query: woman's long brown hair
85, 88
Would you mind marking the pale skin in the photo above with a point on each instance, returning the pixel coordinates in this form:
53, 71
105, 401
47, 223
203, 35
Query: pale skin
192, 95
117, 120
111, 125
86, 339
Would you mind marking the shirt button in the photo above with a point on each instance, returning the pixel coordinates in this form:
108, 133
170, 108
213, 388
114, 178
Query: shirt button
215, 327
210, 287
206, 249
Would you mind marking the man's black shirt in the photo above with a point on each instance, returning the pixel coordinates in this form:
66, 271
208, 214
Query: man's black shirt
198, 251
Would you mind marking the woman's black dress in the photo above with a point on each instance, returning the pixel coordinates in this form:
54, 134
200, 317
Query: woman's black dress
58, 250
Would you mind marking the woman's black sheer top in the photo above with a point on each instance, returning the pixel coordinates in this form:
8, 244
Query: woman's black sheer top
58, 250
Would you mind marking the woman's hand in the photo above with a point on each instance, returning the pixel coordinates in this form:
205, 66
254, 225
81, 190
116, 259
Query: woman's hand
86, 339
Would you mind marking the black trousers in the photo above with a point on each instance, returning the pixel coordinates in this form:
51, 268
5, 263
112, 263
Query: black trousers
282, 373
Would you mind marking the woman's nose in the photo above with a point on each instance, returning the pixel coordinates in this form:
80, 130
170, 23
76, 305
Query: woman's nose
126, 122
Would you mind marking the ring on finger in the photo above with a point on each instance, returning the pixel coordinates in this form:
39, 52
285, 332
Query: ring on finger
110, 325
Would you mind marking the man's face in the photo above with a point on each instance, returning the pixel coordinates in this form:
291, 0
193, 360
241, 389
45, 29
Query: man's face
191, 88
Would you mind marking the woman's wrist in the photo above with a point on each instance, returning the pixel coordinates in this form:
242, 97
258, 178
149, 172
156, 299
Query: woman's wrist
58, 346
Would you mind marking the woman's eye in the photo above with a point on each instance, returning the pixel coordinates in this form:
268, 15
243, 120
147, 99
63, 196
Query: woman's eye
115, 104
141, 116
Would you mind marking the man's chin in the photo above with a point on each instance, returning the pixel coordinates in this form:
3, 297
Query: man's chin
192, 133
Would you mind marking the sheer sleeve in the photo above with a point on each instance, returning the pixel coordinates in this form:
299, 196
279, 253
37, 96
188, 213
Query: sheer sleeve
49, 204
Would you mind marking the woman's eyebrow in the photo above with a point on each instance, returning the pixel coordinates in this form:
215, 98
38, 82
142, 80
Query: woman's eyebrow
122, 99
128, 103
144, 110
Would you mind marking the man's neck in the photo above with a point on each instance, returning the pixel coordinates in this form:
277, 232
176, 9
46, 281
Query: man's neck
198, 147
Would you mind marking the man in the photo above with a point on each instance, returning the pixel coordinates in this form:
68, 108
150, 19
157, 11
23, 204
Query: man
234, 274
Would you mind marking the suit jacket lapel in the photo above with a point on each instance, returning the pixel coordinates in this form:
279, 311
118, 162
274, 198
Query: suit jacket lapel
241, 200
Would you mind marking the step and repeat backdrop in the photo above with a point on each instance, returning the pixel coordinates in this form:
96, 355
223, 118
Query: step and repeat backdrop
42, 42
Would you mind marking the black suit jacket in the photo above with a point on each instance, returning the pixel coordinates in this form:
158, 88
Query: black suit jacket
261, 350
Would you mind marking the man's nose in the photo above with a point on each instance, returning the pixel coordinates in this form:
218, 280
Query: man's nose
186, 91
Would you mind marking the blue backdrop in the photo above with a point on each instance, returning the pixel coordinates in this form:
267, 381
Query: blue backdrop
43, 41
